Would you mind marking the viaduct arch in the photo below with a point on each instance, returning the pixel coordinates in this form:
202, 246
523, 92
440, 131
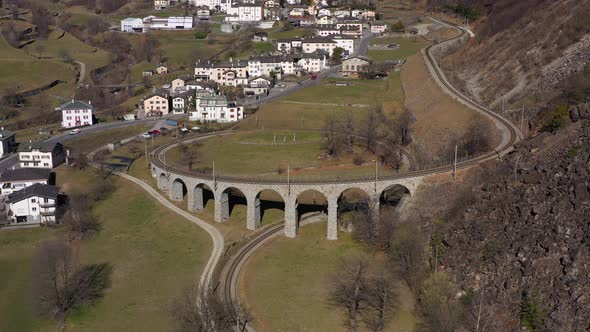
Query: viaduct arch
226, 193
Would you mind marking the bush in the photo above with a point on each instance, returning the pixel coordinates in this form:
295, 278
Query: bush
358, 159
532, 314
201, 35
559, 117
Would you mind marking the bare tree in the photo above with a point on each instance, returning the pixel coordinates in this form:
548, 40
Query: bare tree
78, 220
371, 126
199, 309
81, 161
408, 254
485, 316
41, 17
349, 290
60, 285
381, 301
188, 154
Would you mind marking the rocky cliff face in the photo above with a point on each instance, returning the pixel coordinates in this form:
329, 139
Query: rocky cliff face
523, 50
529, 230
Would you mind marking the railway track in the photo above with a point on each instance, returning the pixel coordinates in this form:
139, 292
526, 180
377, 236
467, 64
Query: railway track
229, 278
230, 274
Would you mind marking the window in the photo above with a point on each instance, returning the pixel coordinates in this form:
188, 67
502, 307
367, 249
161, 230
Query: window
45, 164
33, 200
34, 209
46, 200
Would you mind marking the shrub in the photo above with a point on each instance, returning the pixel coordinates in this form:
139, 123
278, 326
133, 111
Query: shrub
201, 35
532, 314
558, 119
358, 159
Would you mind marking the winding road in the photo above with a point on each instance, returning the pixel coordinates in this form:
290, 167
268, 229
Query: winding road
230, 272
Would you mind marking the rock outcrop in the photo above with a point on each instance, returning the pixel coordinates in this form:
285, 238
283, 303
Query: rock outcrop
529, 230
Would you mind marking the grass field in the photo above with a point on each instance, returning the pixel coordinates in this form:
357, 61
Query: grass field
91, 56
407, 47
94, 141
317, 103
286, 284
154, 252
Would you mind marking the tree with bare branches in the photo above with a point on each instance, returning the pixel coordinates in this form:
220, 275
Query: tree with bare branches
78, 220
199, 309
381, 302
349, 290
370, 132
61, 285
408, 255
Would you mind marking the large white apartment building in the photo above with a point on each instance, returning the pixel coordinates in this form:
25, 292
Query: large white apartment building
226, 73
76, 113
245, 12
216, 108
41, 155
312, 63
156, 23
345, 42
36, 204
264, 65
312, 45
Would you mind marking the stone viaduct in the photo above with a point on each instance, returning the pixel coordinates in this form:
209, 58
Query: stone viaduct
178, 184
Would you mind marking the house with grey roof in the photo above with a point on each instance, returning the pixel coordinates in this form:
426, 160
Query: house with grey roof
36, 204
76, 113
13, 180
41, 155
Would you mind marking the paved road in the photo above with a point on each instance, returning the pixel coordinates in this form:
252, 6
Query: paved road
11, 160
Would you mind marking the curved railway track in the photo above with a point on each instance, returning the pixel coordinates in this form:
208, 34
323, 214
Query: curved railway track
230, 273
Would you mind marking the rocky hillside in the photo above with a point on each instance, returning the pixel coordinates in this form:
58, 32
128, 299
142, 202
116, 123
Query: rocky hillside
523, 51
527, 237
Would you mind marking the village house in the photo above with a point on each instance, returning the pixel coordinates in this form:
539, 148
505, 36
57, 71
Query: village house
138, 25
345, 42
36, 204
8, 139
289, 45
327, 30
260, 37
156, 104
354, 28
177, 84
203, 14
179, 104
161, 4
245, 12
41, 155
312, 63
353, 66
216, 108
324, 11
368, 15
162, 70
311, 45
378, 27
258, 85
210, 87
225, 73
325, 19
343, 12
147, 73
13, 180
76, 113
267, 65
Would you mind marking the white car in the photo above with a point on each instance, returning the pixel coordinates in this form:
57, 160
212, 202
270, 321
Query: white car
146, 135
74, 131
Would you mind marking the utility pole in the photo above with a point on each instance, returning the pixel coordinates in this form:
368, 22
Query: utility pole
503, 106
147, 160
522, 120
289, 179
214, 180
376, 174
455, 165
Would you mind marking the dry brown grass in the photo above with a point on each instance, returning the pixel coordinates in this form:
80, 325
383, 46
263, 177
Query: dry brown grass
439, 118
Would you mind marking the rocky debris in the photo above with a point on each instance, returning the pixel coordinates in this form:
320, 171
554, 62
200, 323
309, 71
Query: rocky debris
529, 232
581, 111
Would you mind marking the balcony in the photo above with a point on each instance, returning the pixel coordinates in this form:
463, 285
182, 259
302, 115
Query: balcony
47, 205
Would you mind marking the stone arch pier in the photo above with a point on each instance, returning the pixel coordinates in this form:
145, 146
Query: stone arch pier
291, 197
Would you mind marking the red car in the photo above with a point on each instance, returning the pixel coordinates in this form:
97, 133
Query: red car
314, 77
155, 132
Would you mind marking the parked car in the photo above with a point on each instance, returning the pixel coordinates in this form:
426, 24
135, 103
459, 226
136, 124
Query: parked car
146, 135
392, 46
155, 132
314, 76
74, 131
